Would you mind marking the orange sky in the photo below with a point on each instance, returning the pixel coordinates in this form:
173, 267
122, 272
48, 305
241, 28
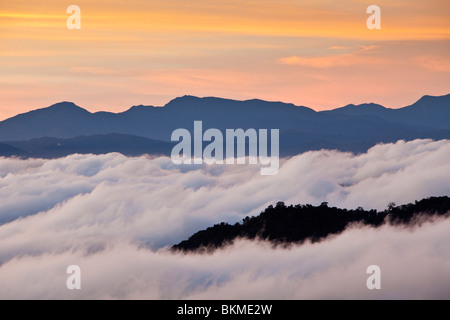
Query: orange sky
317, 53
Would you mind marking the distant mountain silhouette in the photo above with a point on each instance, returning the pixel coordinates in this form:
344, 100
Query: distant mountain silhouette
97, 144
350, 128
283, 224
7, 150
428, 111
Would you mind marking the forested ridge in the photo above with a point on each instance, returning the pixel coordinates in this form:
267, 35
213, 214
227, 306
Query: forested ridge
281, 224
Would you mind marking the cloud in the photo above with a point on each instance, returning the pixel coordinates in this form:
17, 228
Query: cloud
94, 71
434, 63
414, 265
340, 60
337, 48
115, 216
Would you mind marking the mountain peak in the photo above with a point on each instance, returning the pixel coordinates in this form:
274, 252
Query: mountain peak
65, 106
370, 105
139, 108
182, 100
428, 100
360, 109
218, 103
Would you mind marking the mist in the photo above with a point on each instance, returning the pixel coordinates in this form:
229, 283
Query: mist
116, 216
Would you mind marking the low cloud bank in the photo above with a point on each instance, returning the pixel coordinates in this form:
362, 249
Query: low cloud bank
114, 216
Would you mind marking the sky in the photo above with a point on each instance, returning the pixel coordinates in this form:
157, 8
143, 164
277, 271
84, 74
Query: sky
316, 53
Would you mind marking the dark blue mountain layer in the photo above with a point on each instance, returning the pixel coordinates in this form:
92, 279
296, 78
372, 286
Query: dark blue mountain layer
285, 225
351, 128
50, 148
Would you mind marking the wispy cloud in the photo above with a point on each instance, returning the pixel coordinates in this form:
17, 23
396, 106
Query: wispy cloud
435, 63
219, 38
358, 57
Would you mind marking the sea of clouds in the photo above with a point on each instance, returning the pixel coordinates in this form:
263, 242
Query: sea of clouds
116, 217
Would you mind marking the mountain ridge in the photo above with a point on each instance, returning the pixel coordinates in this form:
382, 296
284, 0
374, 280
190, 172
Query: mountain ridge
350, 128
65, 104
50, 148
283, 225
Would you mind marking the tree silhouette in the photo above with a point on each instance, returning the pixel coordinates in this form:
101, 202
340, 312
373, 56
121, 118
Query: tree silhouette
295, 224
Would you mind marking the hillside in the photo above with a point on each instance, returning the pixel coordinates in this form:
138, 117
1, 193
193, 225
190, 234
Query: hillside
354, 128
295, 224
